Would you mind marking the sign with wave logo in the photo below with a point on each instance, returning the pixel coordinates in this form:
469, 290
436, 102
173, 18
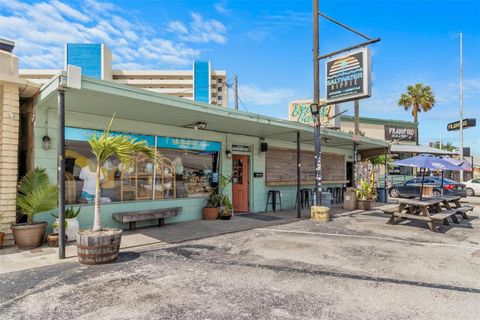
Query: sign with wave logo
348, 77
299, 111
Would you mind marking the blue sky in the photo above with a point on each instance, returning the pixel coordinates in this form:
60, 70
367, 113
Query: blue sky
268, 45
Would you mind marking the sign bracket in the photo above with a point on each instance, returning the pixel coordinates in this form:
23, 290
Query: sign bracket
368, 42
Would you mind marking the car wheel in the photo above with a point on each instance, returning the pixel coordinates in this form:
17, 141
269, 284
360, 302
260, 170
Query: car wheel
436, 193
470, 192
394, 193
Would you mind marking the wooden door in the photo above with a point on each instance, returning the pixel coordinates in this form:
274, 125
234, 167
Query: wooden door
240, 176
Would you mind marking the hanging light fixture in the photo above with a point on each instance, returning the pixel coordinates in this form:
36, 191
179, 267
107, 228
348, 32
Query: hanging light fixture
46, 141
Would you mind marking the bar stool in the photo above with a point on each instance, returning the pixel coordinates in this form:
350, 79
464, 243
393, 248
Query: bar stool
304, 197
272, 195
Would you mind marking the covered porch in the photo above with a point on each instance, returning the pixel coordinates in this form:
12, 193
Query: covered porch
148, 114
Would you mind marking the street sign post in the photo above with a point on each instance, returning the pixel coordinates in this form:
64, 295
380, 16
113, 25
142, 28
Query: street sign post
467, 123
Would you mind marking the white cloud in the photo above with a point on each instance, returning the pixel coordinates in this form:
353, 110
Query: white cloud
253, 95
200, 30
221, 8
40, 31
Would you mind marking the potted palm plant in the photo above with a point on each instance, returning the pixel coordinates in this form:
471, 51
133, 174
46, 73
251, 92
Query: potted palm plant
101, 245
71, 223
35, 194
218, 204
365, 194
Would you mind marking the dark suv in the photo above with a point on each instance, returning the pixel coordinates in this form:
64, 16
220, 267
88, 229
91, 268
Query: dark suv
411, 188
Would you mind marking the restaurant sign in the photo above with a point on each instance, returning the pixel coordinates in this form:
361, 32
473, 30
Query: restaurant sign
467, 123
400, 133
299, 111
348, 77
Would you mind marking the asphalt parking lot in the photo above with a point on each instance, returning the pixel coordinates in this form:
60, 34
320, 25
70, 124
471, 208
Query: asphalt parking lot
355, 267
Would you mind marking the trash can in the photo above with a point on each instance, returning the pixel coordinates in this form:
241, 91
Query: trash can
350, 199
382, 194
327, 199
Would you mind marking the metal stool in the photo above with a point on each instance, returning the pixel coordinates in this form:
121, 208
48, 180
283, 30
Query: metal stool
304, 197
273, 202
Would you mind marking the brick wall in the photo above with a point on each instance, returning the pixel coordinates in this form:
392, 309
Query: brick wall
9, 126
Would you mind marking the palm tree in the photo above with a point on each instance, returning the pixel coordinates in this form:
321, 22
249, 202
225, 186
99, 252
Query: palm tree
36, 194
419, 98
125, 148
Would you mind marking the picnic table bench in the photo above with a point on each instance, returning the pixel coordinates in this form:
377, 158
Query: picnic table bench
457, 206
428, 210
133, 217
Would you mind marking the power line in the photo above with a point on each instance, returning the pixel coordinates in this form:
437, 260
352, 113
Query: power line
241, 102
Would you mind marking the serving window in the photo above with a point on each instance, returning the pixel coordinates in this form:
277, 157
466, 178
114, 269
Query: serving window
185, 168
281, 167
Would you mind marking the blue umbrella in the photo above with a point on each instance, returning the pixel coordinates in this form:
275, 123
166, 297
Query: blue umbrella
427, 161
465, 165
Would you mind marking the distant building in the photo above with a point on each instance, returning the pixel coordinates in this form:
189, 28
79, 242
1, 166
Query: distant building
201, 83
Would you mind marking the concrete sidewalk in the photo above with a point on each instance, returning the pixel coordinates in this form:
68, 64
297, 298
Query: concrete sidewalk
13, 259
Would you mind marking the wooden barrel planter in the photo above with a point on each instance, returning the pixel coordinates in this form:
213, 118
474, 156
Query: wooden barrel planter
98, 247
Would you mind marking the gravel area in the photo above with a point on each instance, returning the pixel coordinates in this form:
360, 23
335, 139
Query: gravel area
355, 267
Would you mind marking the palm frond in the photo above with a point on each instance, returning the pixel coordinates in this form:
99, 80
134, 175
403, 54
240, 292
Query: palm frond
40, 199
33, 180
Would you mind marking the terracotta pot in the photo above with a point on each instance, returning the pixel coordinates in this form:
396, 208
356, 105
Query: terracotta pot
52, 240
210, 213
364, 204
98, 247
29, 236
2, 235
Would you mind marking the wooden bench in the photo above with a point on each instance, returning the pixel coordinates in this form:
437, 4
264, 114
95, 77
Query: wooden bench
133, 217
431, 220
463, 211
444, 215
388, 209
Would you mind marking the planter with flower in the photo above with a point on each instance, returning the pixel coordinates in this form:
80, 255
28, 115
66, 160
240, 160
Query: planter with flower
365, 194
218, 205
102, 245
35, 195
71, 223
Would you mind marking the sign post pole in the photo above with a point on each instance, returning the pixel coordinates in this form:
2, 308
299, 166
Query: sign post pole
316, 100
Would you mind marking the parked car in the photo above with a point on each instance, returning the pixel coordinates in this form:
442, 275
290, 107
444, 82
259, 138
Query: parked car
473, 187
411, 188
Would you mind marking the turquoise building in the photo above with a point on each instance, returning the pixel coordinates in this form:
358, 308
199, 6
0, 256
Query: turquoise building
196, 140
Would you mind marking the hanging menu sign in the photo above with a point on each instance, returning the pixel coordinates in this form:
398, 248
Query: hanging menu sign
348, 77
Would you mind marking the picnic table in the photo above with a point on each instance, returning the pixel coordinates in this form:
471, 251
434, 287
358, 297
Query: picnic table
457, 206
427, 209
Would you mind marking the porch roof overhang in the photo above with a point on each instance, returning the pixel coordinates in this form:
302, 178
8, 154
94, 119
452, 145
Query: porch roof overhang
104, 98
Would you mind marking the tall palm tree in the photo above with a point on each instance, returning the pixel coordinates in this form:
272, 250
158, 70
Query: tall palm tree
419, 98
124, 148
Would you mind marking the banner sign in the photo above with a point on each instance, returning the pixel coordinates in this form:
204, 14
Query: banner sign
467, 123
187, 144
348, 77
401, 133
79, 134
299, 111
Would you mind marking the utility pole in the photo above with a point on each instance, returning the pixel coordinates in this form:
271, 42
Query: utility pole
461, 103
235, 91
316, 100
356, 117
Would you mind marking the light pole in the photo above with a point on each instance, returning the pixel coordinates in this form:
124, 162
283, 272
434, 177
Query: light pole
461, 103
315, 109
315, 106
